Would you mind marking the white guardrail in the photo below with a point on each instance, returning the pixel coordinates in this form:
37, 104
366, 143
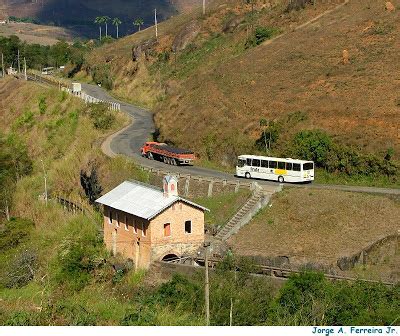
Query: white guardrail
92, 100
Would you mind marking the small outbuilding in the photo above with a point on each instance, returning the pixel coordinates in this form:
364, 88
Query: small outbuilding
145, 223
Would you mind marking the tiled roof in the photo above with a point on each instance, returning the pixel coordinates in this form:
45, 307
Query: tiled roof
141, 200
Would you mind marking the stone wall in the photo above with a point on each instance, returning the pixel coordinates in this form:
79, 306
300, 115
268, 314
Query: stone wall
194, 186
373, 254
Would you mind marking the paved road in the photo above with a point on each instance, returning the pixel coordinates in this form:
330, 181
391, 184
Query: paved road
128, 142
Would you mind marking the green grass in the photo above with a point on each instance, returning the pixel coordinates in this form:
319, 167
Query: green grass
223, 207
324, 177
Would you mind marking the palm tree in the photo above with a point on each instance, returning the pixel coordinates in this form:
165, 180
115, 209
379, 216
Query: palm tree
116, 22
138, 22
99, 20
105, 20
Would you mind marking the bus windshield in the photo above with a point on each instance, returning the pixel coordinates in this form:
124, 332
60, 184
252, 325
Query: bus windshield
241, 163
308, 166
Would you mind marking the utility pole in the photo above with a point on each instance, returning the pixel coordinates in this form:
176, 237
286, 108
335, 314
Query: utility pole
231, 313
45, 183
2, 65
26, 76
204, 7
19, 64
155, 21
207, 285
7, 211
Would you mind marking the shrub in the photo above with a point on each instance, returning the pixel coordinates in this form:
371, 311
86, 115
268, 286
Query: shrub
25, 119
269, 135
15, 232
22, 318
102, 75
297, 5
261, 34
312, 145
101, 116
42, 104
21, 269
90, 183
78, 255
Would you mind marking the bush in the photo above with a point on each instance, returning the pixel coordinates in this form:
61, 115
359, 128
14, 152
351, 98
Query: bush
42, 104
21, 269
102, 75
78, 255
90, 183
261, 34
101, 116
312, 145
15, 232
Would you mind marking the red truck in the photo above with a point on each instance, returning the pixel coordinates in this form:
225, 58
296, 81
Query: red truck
170, 155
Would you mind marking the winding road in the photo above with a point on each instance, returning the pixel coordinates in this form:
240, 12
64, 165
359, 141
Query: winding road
129, 140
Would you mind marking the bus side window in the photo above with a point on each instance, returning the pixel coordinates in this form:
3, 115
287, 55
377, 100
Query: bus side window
272, 164
256, 163
248, 162
264, 163
296, 167
281, 165
289, 166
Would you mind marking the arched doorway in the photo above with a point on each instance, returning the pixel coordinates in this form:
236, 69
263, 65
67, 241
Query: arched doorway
170, 257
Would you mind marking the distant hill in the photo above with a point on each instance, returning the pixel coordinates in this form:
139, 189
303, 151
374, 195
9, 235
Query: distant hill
79, 15
337, 73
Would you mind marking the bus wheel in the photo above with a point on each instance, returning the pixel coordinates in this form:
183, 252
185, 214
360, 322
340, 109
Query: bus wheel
173, 161
281, 179
150, 156
247, 175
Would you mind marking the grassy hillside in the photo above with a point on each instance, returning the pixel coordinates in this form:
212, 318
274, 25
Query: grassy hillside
320, 226
334, 74
54, 269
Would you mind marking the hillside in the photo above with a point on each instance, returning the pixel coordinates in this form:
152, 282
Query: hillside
323, 227
79, 15
34, 33
55, 270
336, 74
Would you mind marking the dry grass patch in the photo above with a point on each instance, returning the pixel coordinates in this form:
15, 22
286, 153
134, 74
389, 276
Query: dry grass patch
318, 225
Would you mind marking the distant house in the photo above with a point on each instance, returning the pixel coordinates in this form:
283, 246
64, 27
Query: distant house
144, 223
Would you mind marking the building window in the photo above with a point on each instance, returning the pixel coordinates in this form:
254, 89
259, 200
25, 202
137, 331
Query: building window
167, 230
110, 217
126, 223
188, 226
117, 218
143, 230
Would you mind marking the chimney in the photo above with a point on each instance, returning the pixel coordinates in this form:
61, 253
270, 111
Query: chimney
170, 186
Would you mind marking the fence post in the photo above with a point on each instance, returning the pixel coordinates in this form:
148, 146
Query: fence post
210, 189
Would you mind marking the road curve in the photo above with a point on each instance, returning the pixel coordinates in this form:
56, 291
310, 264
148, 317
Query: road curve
129, 140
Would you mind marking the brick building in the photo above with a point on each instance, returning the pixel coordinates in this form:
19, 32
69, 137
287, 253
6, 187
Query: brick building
144, 223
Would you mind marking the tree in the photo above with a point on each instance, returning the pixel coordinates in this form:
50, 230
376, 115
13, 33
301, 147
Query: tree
138, 22
90, 183
105, 20
264, 125
99, 20
116, 22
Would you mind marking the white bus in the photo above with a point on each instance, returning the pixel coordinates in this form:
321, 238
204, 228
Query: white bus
276, 169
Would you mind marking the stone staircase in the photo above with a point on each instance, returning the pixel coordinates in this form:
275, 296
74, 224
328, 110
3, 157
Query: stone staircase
259, 199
